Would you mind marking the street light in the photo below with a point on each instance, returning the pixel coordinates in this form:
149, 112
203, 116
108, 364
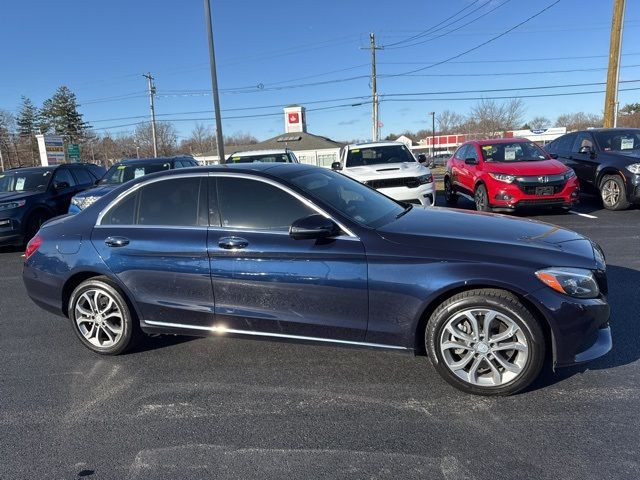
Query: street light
433, 133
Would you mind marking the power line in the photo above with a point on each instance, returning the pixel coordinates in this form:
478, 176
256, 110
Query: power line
502, 74
511, 60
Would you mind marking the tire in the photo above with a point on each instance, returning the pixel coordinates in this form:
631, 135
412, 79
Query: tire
32, 225
481, 198
110, 329
613, 193
477, 366
449, 196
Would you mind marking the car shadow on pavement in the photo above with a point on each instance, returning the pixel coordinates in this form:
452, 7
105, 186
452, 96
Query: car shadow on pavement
624, 299
153, 342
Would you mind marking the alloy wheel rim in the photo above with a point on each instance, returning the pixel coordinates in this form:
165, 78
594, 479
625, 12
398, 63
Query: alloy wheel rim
99, 318
610, 192
479, 199
484, 347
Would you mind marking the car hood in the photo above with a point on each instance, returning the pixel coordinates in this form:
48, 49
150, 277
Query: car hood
98, 191
539, 167
391, 170
450, 234
11, 196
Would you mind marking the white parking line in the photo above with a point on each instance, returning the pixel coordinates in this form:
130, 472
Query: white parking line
582, 214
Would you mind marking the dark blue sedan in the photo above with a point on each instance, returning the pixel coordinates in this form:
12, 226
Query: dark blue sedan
300, 252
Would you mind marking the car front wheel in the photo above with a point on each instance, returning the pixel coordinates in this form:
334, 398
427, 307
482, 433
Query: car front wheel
613, 193
101, 318
485, 342
450, 197
482, 199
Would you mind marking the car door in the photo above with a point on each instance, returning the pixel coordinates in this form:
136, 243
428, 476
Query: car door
585, 163
465, 171
457, 167
63, 186
265, 281
155, 241
563, 146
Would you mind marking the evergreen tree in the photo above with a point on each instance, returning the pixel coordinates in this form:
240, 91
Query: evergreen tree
27, 118
45, 117
60, 115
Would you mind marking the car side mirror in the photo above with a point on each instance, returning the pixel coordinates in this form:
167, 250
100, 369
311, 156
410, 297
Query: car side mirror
554, 156
422, 158
336, 166
314, 226
61, 185
471, 161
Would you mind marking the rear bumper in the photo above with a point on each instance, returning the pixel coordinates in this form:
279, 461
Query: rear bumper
43, 288
424, 195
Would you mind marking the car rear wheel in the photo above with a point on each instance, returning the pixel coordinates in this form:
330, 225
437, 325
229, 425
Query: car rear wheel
485, 342
613, 193
482, 199
101, 317
450, 197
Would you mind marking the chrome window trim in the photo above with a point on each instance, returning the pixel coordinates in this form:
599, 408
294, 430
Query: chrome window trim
254, 333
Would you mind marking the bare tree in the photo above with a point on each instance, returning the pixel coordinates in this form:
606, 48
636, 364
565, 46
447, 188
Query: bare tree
579, 121
539, 122
491, 118
202, 140
629, 116
449, 122
166, 136
240, 138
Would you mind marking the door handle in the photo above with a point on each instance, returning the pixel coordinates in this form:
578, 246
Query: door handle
116, 241
233, 243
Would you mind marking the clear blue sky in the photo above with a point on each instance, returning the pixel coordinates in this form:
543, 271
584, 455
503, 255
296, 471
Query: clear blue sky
101, 49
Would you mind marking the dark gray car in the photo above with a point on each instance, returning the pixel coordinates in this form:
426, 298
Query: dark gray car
606, 161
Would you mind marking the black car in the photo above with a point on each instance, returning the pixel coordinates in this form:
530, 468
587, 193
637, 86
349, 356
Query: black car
299, 252
606, 161
30, 196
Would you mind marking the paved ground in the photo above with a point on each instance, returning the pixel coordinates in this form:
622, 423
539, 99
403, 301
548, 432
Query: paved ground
222, 408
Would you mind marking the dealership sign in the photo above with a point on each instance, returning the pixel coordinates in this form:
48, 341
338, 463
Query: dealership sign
51, 149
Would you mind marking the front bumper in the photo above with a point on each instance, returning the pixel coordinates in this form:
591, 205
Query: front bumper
633, 188
508, 197
424, 195
579, 327
10, 232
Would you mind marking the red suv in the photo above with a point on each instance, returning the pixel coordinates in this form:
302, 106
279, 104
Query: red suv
505, 174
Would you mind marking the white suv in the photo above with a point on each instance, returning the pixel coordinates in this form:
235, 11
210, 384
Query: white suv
391, 168
263, 156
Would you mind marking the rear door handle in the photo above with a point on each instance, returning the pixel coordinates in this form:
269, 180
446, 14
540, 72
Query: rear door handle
116, 241
233, 243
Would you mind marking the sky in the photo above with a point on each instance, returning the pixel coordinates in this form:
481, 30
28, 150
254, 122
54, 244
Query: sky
313, 53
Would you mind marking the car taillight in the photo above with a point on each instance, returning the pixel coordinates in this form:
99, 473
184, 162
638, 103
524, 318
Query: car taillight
32, 246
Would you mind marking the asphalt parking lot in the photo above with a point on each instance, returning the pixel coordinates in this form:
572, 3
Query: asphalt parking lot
223, 408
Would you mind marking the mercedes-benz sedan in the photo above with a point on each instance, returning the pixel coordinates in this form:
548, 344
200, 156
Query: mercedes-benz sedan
300, 252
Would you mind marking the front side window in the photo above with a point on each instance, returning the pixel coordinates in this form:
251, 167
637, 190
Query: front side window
461, 152
121, 173
83, 176
583, 140
509, 152
24, 180
351, 198
380, 155
254, 205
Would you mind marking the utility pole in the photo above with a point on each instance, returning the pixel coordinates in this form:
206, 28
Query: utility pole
214, 82
1, 159
152, 93
433, 134
613, 74
374, 88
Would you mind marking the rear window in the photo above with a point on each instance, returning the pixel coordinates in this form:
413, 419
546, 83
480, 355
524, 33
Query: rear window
266, 158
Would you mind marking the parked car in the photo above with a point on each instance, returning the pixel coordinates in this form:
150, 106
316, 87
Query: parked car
263, 156
606, 161
303, 253
507, 174
124, 171
391, 168
30, 196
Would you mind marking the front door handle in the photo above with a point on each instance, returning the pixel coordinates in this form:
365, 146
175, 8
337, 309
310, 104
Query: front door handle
116, 241
233, 243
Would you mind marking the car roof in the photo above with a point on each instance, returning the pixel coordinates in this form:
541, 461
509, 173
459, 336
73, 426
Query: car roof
145, 161
372, 144
31, 169
249, 153
606, 129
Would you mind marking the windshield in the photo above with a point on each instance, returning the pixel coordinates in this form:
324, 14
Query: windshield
359, 157
260, 158
354, 200
123, 173
24, 180
512, 152
618, 140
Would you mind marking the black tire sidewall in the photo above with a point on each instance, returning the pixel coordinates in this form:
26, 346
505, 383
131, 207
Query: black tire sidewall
127, 320
32, 225
450, 197
506, 305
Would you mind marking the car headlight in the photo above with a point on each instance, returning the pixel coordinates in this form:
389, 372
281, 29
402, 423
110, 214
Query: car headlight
428, 178
569, 174
634, 168
503, 177
14, 204
84, 202
575, 282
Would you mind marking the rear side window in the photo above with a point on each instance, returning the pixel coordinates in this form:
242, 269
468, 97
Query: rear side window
565, 143
63, 175
83, 176
174, 202
122, 213
255, 205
